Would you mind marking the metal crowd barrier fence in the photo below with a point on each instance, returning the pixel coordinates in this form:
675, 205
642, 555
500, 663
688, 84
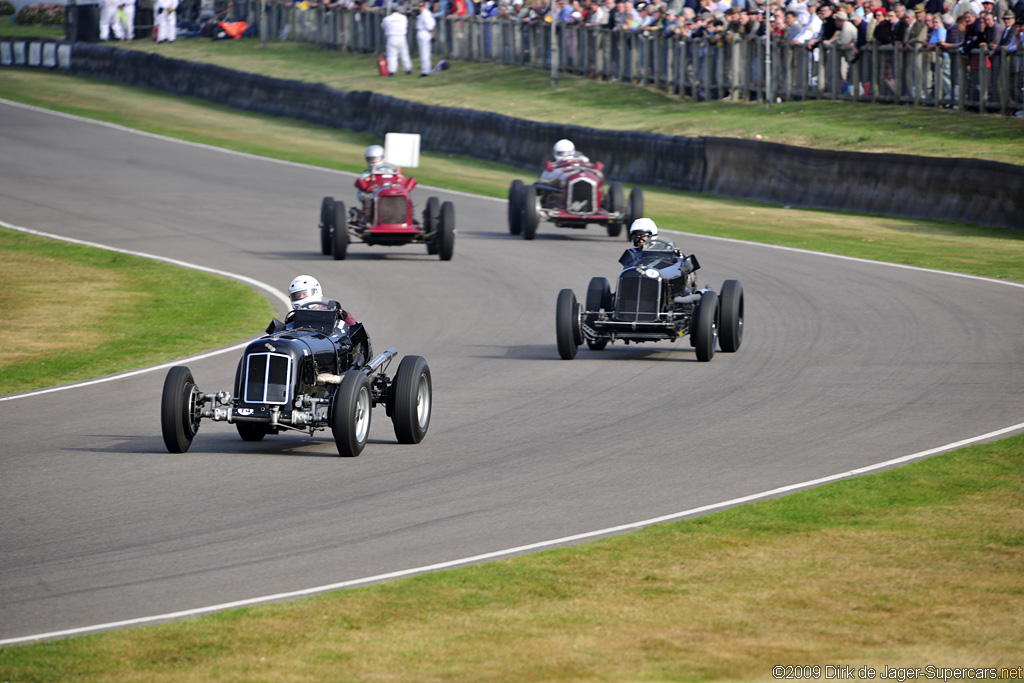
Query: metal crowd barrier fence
699, 69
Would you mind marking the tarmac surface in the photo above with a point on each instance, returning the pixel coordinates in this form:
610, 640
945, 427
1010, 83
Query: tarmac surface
844, 364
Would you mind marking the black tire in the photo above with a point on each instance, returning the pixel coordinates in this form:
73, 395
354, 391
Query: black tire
567, 323
326, 220
636, 206
616, 204
339, 232
431, 219
707, 326
411, 400
179, 409
531, 213
252, 431
730, 311
350, 413
446, 236
515, 207
599, 295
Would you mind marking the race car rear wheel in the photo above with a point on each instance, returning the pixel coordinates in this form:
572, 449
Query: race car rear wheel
568, 334
706, 334
531, 212
411, 400
730, 303
599, 295
616, 204
446, 234
326, 220
515, 207
431, 220
635, 209
339, 232
180, 408
350, 413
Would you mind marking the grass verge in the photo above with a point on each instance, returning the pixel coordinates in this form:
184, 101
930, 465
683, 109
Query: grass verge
914, 567
86, 312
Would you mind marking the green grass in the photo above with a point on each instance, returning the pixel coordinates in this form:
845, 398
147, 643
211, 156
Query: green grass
916, 566
89, 312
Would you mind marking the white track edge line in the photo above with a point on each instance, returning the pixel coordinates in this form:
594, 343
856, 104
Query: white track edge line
512, 551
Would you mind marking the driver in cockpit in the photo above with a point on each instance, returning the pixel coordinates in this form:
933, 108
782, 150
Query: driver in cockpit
643, 232
305, 292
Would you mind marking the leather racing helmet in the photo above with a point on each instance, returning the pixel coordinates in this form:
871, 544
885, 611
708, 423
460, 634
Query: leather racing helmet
305, 289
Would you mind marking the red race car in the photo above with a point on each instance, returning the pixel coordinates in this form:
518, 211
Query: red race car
571, 194
384, 215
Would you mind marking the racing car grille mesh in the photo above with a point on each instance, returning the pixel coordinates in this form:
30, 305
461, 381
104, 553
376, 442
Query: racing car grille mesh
392, 210
638, 299
267, 378
581, 196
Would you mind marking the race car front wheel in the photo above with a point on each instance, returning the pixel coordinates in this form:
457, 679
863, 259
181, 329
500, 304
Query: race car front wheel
326, 219
411, 400
350, 414
180, 409
706, 335
515, 207
567, 324
339, 233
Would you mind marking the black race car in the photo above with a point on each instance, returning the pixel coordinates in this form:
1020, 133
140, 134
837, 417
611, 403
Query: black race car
657, 299
310, 373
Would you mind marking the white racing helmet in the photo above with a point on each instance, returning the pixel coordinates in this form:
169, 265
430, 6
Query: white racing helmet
642, 230
374, 155
564, 149
305, 289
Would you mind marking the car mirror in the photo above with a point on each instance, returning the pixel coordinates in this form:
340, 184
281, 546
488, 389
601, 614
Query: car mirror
275, 326
598, 166
547, 166
690, 263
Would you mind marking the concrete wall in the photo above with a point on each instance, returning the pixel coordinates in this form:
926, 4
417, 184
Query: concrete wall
985, 192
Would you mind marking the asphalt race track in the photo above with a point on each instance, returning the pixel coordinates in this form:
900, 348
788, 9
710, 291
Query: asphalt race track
844, 364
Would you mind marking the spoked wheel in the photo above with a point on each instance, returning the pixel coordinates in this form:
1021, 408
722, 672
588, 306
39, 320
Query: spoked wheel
326, 220
431, 219
339, 232
411, 400
531, 212
636, 207
730, 302
616, 204
599, 295
180, 409
446, 236
568, 333
515, 207
707, 326
350, 414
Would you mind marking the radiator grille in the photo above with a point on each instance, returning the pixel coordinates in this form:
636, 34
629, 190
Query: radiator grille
638, 299
268, 378
581, 196
392, 210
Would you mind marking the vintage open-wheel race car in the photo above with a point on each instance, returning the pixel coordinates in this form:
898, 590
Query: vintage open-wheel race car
386, 217
309, 374
657, 299
579, 198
